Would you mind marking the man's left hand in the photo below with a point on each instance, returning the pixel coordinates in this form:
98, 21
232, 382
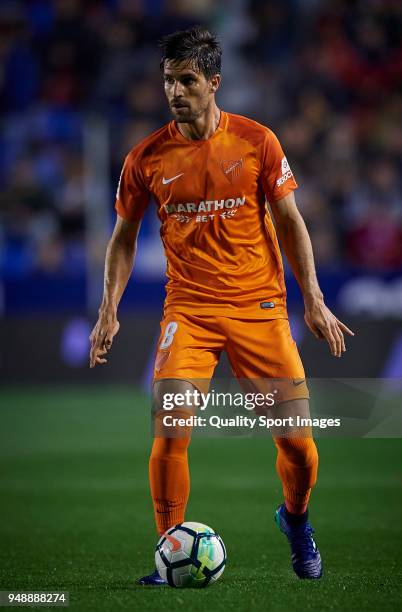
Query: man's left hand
325, 326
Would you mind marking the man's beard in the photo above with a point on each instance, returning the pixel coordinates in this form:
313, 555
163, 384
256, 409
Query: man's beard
187, 115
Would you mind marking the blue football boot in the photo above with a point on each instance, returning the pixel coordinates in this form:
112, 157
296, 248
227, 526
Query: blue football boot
152, 580
306, 559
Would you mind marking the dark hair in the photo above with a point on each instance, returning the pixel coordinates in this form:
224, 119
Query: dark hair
197, 46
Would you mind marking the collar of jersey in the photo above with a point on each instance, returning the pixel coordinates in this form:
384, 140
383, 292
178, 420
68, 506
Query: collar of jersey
174, 130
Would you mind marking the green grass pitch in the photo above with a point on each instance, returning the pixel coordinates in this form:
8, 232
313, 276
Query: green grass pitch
76, 513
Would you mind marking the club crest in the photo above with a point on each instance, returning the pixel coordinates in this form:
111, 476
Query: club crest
232, 168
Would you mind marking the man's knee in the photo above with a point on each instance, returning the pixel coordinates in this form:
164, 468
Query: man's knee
173, 394
172, 407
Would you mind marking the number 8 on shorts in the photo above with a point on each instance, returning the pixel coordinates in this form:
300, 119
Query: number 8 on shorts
168, 336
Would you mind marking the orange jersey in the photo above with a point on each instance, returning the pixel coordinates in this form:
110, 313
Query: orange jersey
221, 247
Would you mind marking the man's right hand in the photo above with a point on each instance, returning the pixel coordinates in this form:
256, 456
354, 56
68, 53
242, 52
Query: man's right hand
102, 335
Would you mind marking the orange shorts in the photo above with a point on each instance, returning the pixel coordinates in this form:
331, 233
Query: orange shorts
189, 348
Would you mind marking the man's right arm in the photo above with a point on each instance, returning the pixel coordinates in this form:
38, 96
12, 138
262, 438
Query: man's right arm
119, 263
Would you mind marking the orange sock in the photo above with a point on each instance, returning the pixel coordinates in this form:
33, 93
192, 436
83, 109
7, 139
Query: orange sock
297, 465
169, 480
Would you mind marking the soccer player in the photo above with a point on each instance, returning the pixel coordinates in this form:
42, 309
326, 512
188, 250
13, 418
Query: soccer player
209, 173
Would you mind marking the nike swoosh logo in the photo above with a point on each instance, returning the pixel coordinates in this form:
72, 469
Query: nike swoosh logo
167, 181
298, 382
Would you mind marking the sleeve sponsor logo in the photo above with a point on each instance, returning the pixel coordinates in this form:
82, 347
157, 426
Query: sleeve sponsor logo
286, 172
285, 165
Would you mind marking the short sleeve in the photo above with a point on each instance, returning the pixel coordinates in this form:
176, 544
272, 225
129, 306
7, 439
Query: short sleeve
276, 176
132, 197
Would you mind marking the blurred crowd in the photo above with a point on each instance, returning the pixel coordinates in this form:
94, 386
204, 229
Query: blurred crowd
325, 75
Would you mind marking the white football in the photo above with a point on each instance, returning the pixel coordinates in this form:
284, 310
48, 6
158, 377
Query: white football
190, 555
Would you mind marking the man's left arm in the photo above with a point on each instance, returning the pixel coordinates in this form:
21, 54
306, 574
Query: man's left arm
296, 243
